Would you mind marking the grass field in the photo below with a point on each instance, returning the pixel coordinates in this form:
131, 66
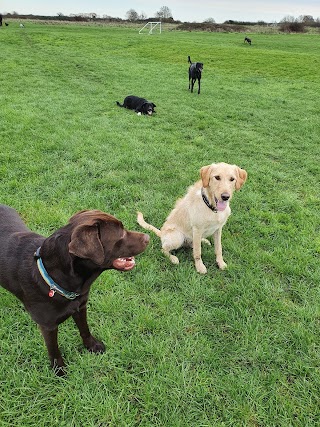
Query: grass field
232, 348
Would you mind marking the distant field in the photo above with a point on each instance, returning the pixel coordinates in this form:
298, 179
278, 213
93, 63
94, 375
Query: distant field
232, 348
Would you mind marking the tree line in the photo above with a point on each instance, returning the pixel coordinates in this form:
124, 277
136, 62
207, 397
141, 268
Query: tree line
287, 24
163, 13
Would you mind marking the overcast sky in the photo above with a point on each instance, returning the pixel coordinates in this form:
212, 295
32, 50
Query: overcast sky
183, 10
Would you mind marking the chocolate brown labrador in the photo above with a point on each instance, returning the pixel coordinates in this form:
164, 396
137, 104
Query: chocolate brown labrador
52, 276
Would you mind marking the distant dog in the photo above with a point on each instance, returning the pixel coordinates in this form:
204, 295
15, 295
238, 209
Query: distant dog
139, 105
6, 24
247, 40
202, 212
195, 71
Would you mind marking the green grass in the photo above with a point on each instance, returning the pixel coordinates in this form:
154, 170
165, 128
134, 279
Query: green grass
232, 348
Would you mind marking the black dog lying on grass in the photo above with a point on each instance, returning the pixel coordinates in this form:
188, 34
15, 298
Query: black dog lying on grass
195, 71
139, 105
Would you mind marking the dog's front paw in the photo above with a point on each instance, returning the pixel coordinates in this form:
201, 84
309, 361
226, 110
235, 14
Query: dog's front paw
94, 346
221, 264
200, 267
58, 367
174, 259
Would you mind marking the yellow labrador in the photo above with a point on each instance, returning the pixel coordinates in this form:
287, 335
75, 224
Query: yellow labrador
202, 212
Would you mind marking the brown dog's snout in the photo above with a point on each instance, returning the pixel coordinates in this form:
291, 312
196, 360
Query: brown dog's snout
225, 196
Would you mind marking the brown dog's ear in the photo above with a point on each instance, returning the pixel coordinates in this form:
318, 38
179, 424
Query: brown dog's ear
205, 175
241, 177
85, 243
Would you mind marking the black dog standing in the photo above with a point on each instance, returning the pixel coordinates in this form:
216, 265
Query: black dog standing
195, 71
247, 40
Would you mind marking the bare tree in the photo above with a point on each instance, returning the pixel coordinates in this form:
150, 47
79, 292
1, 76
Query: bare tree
132, 15
142, 16
288, 19
164, 13
209, 21
291, 25
306, 19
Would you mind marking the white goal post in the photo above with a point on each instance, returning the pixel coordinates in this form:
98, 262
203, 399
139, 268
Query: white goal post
152, 26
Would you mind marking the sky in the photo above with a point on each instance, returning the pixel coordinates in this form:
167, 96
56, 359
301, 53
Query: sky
183, 10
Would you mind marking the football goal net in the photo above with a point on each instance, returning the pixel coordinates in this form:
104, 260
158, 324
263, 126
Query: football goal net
151, 26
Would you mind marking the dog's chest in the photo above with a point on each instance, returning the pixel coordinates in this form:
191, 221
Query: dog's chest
212, 222
210, 227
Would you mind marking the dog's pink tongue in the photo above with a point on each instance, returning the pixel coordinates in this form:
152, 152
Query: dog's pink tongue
221, 205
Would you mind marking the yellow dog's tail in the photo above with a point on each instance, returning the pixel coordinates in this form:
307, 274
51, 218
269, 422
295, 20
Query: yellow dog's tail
147, 226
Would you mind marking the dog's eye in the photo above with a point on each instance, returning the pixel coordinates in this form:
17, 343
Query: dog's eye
217, 177
232, 179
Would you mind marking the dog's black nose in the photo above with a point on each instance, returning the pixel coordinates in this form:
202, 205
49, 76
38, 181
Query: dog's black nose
225, 196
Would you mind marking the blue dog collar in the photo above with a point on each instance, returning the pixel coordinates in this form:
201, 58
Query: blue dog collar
54, 287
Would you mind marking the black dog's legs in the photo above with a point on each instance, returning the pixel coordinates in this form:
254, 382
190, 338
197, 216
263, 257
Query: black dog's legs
192, 84
89, 341
51, 340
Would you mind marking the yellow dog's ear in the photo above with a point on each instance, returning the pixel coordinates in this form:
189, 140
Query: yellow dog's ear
241, 177
205, 175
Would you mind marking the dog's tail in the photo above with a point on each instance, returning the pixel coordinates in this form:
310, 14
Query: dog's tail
119, 105
189, 60
147, 226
